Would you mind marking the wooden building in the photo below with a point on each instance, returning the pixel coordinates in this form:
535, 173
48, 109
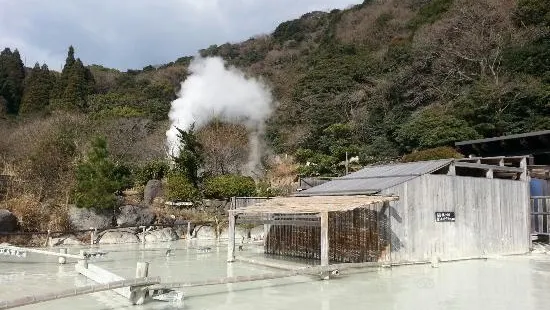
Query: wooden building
535, 145
447, 209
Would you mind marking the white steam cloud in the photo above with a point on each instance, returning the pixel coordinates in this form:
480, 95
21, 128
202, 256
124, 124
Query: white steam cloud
214, 90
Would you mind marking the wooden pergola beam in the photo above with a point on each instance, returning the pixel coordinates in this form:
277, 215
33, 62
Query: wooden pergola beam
489, 167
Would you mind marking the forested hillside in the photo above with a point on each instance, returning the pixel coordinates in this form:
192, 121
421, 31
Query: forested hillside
379, 80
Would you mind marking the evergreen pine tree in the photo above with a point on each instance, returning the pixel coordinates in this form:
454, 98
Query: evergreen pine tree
75, 84
12, 76
37, 90
191, 155
98, 178
69, 61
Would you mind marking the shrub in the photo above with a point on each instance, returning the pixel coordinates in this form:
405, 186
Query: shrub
430, 13
179, 188
433, 127
36, 216
120, 111
290, 30
303, 155
320, 165
264, 189
229, 185
152, 170
432, 154
532, 12
532, 58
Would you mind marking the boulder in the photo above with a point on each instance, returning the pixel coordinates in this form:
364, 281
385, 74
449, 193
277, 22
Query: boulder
539, 248
181, 227
204, 232
82, 218
161, 235
8, 221
64, 240
135, 216
241, 234
118, 236
152, 190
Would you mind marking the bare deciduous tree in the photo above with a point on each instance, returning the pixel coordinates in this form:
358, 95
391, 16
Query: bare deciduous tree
225, 147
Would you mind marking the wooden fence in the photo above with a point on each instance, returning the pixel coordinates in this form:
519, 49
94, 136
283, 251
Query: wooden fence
540, 215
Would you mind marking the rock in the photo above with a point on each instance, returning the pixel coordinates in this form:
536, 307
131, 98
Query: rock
135, 216
152, 190
82, 218
159, 201
118, 236
204, 232
64, 240
213, 205
257, 233
241, 234
8, 221
539, 248
181, 228
161, 235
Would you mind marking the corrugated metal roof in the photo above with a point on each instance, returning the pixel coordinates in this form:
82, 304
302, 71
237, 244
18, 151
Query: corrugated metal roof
374, 179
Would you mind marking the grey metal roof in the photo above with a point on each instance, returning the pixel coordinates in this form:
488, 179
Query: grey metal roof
374, 179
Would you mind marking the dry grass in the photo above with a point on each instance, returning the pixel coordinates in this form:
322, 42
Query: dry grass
36, 216
283, 174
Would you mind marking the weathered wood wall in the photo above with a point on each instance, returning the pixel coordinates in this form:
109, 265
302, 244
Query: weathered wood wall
492, 217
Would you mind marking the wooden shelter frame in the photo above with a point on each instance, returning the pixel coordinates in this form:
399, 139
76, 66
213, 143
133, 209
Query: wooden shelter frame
300, 211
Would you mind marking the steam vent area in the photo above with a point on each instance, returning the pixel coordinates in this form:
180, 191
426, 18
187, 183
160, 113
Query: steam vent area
445, 210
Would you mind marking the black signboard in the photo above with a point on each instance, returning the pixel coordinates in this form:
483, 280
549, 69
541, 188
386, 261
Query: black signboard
444, 216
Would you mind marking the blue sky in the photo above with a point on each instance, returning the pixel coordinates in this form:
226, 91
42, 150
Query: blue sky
134, 33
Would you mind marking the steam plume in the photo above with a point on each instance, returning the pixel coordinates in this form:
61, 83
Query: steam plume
216, 90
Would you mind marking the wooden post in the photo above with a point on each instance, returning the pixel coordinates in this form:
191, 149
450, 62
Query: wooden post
489, 174
47, 238
138, 296
452, 169
324, 239
267, 228
231, 236
523, 164
62, 259
143, 234
188, 230
83, 262
93, 235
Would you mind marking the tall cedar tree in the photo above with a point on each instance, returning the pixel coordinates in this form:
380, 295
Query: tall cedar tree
75, 84
12, 76
38, 88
